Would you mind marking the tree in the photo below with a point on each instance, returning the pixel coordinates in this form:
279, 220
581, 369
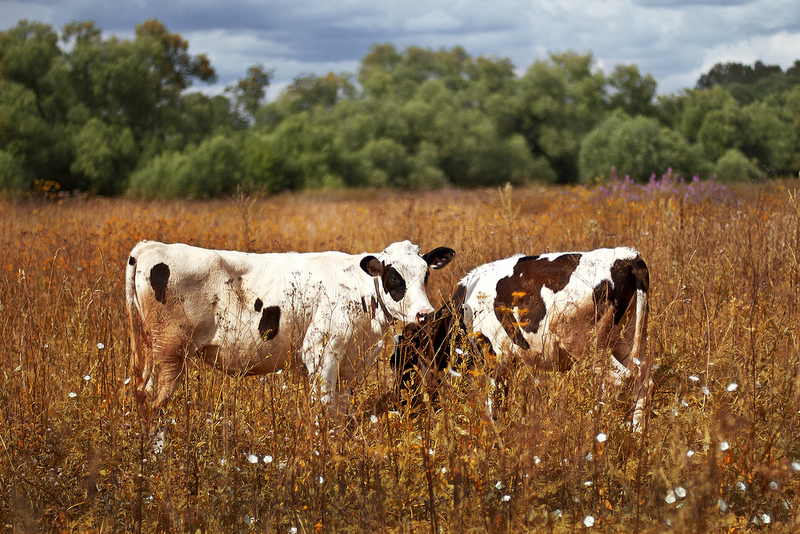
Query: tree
561, 100
631, 92
249, 92
103, 153
637, 147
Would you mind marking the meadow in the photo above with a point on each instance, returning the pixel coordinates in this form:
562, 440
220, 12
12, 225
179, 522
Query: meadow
719, 453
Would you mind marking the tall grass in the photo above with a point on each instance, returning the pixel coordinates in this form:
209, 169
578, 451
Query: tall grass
720, 452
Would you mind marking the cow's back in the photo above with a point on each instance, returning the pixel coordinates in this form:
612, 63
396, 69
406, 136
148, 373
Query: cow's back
542, 305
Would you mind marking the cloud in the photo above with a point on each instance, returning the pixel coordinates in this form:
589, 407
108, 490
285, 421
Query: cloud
674, 40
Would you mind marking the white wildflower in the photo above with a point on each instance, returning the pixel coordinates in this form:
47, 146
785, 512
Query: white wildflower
506, 498
705, 391
72, 394
100, 346
766, 519
741, 486
253, 459
458, 350
680, 491
732, 386
601, 437
557, 513
796, 466
127, 381
588, 521
499, 485
670, 498
321, 480
724, 446
694, 378
267, 459
373, 419
690, 453
87, 377
773, 485
536, 461
722, 505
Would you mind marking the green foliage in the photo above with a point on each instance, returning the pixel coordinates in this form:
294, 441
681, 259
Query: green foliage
734, 166
86, 112
630, 91
637, 147
104, 153
212, 168
561, 100
12, 173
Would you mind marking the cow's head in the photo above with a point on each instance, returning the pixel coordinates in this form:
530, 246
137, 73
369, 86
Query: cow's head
402, 273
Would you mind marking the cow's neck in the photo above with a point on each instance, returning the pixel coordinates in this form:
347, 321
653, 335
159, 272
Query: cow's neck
389, 318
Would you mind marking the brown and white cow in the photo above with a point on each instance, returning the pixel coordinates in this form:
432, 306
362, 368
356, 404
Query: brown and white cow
251, 314
548, 311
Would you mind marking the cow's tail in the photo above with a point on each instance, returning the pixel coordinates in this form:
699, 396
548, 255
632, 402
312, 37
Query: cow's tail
141, 364
639, 353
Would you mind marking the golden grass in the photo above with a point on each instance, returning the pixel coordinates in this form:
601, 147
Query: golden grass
720, 452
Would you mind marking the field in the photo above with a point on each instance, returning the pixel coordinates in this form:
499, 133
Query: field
720, 452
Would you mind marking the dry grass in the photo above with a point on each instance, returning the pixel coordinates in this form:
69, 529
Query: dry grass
720, 452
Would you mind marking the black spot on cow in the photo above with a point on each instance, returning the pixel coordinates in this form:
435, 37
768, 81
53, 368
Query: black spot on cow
258, 305
270, 320
523, 290
131, 260
627, 276
159, 276
393, 283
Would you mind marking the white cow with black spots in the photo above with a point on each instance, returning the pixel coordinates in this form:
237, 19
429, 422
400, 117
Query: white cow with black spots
251, 314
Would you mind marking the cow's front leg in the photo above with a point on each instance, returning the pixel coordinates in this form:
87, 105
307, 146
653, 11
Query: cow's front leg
320, 355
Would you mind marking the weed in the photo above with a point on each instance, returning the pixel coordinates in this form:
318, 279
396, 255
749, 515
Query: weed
720, 452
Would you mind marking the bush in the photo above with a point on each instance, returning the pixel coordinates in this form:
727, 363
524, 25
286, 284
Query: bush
12, 174
212, 168
734, 166
638, 147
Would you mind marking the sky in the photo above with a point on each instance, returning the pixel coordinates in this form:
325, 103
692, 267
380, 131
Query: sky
676, 41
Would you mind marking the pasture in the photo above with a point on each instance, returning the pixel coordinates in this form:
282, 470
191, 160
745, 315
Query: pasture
720, 452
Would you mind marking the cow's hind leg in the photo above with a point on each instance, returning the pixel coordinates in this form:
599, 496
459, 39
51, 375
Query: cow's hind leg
168, 357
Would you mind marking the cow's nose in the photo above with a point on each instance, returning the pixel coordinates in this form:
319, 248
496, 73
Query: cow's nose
423, 316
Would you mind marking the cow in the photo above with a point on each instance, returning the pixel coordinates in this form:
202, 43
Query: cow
252, 314
548, 311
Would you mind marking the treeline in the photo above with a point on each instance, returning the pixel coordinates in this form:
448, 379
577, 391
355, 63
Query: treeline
110, 116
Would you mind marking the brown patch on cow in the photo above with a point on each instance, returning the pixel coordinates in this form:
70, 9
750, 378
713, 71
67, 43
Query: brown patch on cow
427, 344
270, 320
159, 276
627, 276
523, 291
258, 305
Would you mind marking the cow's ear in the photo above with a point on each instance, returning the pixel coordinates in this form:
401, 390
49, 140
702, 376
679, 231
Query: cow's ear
439, 257
372, 266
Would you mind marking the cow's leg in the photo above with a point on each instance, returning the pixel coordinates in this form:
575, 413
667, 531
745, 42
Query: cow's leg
642, 360
168, 355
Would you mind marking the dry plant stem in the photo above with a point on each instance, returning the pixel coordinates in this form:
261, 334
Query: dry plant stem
718, 452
